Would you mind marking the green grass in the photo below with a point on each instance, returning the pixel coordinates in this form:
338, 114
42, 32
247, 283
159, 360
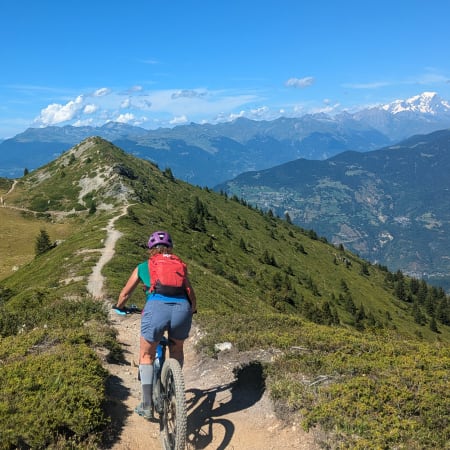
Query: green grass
352, 358
19, 231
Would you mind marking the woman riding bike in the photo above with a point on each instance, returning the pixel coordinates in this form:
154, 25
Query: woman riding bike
162, 312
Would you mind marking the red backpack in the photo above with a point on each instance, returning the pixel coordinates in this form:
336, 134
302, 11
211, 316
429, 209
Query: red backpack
168, 274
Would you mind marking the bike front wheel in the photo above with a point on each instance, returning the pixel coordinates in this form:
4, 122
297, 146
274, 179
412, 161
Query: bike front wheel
174, 416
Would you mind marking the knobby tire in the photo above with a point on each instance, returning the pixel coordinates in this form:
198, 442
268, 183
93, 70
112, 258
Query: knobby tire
174, 416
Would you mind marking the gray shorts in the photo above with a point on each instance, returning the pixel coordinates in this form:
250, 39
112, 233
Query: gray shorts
160, 316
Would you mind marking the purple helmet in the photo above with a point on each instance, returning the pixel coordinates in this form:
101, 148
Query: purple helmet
160, 238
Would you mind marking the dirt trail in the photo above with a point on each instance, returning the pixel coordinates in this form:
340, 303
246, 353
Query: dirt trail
222, 414
96, 279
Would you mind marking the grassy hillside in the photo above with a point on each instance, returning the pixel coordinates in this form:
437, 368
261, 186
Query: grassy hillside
363, 353
19, 230
387, 205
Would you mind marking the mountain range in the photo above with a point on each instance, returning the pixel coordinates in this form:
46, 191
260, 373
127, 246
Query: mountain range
348, 349
207, 154
390, 206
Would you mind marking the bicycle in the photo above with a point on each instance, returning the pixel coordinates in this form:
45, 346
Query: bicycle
169, 399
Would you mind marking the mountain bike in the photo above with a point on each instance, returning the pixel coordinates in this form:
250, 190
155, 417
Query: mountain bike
169, 399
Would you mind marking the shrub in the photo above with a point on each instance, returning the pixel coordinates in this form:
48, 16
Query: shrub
57, 390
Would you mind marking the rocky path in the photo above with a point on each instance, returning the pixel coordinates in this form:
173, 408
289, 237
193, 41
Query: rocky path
222, 413
96, 279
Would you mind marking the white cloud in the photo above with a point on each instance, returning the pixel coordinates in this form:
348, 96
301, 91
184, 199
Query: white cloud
141, 103
262, 111
161, 107
90, 109
179, 120
299, 82
327, 109
188, 93
56, 113
210, 103
101, 92
83, 123
125, 118
231, 116
126, 103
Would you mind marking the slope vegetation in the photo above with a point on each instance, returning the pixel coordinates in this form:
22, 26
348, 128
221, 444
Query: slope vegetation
361, 352
390, 205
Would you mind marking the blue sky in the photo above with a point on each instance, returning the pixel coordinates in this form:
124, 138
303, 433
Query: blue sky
162, 63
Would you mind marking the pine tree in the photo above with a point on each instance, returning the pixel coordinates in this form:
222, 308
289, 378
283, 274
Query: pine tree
359, 317
443, 312
43, 243
400, 291
327, 314
365, 268
422, 292
242, 245
433, 325
349, 303
168, 174
209, 247
414, 286
92, 208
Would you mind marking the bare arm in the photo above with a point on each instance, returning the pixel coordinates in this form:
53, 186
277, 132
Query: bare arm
191, 296
128, 289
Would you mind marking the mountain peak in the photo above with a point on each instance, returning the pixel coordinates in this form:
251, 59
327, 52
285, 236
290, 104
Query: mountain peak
425, 103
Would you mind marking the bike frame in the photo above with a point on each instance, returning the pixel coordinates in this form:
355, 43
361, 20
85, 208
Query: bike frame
169, 399
160, 359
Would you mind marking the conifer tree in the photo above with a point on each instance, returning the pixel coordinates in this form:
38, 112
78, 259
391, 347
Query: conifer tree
168, 173
365, 268
433, 325
443, 312
422, 292
400, 291
43, 243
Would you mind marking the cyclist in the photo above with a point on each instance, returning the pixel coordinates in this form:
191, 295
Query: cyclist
161, 313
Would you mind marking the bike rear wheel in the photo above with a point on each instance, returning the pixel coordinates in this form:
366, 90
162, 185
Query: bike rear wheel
174, 416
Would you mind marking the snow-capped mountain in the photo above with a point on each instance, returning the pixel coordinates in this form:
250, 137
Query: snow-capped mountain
421, 114
425, 103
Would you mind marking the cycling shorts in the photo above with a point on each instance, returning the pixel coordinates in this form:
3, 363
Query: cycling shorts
160, 316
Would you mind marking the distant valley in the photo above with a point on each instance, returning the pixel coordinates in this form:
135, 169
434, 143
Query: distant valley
390, 206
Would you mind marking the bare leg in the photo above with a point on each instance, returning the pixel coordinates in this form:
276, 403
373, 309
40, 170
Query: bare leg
176, 350
147, 351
